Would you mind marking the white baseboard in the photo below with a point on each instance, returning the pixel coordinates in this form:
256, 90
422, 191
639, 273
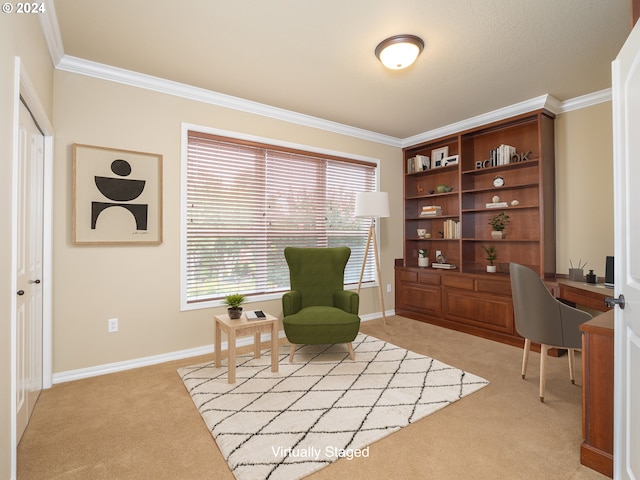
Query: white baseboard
81, 373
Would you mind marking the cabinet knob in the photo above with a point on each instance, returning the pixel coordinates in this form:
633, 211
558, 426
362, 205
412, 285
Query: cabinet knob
20, 292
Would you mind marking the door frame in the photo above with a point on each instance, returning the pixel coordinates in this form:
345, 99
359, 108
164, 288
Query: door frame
23, 87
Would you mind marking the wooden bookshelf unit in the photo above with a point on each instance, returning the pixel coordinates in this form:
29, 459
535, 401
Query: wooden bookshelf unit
467, 298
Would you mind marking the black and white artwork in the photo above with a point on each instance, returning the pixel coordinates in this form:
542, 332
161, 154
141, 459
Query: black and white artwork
438, 155
117, 196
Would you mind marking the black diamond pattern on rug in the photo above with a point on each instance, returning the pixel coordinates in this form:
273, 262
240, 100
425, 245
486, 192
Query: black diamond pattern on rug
321, 407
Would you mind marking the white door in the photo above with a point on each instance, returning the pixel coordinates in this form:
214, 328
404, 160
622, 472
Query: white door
626, 146
29, 311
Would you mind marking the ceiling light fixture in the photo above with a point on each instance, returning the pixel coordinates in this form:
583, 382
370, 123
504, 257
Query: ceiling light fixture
399, 51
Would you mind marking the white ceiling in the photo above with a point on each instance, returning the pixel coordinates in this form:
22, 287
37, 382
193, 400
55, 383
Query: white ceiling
316, 57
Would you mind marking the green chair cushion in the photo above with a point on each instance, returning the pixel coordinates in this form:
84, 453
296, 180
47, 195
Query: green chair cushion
321, 325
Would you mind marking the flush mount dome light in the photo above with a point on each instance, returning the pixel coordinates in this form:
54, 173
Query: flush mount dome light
399, 51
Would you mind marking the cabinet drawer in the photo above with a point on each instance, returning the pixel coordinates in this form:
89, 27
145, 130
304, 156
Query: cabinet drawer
458, 281
429, 278
492, 286
408, 276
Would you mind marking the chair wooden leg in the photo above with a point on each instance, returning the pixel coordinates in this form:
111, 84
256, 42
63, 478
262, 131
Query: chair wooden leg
525, 356
292, 352
544, 349
572, 363
352, 354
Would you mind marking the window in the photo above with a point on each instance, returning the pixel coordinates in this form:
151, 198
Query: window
247, 201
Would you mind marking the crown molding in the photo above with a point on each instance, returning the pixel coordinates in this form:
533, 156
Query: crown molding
149, 82
547, 102
127, 77
51, 30
585, 101
544, 101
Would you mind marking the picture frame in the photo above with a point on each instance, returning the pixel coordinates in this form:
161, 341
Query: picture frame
117, 196
451, 160
437, 155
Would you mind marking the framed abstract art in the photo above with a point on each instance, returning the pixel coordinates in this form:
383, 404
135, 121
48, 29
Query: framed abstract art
117, 196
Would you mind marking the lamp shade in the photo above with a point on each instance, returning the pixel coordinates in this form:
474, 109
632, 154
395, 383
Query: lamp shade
372, 204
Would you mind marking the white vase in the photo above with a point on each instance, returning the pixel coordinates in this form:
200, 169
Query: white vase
496, 235
423, 261
491, 268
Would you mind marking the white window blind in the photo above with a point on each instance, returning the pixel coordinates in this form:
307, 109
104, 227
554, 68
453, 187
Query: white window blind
246, 202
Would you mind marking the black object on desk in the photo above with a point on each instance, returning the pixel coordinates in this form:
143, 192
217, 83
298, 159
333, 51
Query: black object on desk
608, 272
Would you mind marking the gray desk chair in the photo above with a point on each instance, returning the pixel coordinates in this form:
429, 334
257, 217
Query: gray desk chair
542, 319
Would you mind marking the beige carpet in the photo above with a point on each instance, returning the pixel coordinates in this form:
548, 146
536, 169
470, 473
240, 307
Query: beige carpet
142, 424
321, 407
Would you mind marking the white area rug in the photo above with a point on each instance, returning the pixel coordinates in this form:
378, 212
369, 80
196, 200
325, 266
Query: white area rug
321, 407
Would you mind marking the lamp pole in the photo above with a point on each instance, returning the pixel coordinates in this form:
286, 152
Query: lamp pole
370, 238
373, 205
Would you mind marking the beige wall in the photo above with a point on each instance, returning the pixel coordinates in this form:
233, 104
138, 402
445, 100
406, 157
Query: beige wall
584, 188
140, 284
20, 35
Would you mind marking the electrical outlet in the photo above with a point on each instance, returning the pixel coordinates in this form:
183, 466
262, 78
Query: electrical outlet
112, 325
388, 288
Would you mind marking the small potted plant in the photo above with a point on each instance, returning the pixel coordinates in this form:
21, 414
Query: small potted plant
490, 256
234, 301
423, 257
498, 223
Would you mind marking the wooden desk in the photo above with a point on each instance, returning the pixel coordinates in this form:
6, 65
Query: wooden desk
586, 294
596, 451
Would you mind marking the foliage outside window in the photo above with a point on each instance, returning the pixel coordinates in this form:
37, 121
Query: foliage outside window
245, 202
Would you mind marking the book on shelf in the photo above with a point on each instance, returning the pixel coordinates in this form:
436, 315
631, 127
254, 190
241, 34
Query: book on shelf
497, 205
451, 229
418, 163
445, 266
431, 211
501, 155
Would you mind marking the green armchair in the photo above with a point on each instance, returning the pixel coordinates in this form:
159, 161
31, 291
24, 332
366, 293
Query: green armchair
318, 310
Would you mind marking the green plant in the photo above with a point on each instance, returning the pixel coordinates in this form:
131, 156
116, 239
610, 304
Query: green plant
490, 254
499, 221
234, 300
423, 253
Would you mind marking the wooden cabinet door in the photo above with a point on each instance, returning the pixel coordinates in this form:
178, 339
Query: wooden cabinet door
491, 312
424, 299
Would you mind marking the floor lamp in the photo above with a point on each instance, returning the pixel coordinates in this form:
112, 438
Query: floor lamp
373, 205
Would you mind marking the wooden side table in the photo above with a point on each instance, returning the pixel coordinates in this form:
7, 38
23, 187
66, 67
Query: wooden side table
242, 326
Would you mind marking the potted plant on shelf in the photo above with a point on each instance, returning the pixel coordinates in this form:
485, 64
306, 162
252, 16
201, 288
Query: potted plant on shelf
490, 256
234, 301
498, 223
423, 257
